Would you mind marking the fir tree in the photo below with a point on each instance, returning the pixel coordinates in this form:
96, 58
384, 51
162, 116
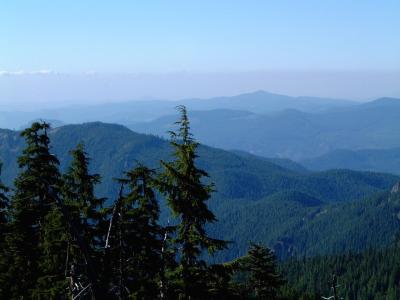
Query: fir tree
187, 195
52, 283
264, 280
137, 251
87, 214
4, 203
36, 240
219, 282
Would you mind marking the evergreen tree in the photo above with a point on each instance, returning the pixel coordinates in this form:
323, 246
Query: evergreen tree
52, 283
219, 282
4, 203
264, 280
87, 214
137, 253
187, 194
37, 232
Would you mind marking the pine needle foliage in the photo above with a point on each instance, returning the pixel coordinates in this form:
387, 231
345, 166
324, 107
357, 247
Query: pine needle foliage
4, 219
4, 204
87, 214
139, 236
187, 196
264, 280
36, 242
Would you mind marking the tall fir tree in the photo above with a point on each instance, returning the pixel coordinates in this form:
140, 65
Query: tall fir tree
37, 241
187, 195
137, 239
87, 215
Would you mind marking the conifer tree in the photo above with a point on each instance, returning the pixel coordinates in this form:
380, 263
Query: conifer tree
138, 239
52, 283
187, 195
37, 232
87, 214
4, 203
264, 280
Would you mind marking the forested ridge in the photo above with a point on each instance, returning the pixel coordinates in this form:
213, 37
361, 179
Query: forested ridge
288, 209
155, 236
296, 225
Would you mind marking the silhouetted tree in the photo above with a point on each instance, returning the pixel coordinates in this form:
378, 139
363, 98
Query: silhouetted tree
141, 236
88, 217
187, 195
37, 240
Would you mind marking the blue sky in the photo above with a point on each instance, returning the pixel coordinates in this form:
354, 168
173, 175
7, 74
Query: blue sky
166, 37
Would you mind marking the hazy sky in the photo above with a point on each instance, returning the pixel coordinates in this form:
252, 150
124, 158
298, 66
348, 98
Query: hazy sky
142, 42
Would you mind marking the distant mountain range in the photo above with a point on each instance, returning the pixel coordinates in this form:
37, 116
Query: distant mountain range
291, 133
261, 123
296, 211
315, 132
126, 113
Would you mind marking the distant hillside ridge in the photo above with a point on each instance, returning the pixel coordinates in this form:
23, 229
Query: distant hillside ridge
378, 160
230, 171
282, 207
129, 112
292, 133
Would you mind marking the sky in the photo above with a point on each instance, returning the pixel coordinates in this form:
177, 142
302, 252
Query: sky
162, 49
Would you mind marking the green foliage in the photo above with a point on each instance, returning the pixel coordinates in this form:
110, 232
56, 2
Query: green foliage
4, 204
187, 195
260, 270
373, 274
79, 196
36, 242
295, 224
87, 215
137, 244
52, 283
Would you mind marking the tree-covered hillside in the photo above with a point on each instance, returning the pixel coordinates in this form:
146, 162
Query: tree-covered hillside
373, 274
378, 160
237, 176
295, 224
253, 194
